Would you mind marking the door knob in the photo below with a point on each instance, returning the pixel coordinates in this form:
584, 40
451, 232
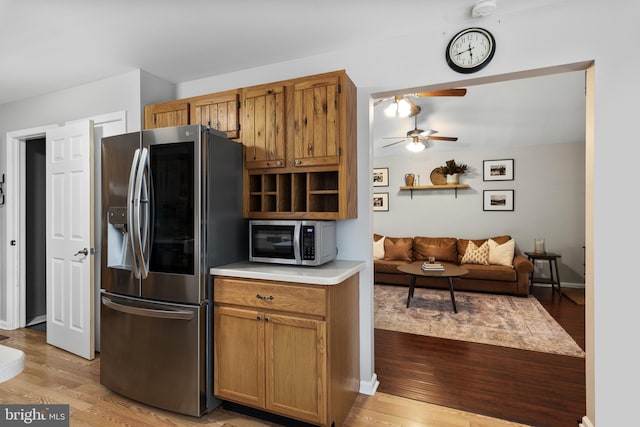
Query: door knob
85, 252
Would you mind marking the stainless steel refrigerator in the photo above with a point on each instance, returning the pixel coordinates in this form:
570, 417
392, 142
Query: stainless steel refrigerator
171, 209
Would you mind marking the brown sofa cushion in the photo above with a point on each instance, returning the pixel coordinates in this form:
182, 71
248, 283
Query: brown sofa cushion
398, 248
391, 267
491, 272
442, 248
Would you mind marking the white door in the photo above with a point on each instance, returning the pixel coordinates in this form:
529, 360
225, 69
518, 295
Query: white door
70, 287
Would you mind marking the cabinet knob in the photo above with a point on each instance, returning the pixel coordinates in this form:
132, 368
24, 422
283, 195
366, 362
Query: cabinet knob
297, 162
267, 318
259, 318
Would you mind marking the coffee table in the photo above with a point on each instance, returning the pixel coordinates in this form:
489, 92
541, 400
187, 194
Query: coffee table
450, 270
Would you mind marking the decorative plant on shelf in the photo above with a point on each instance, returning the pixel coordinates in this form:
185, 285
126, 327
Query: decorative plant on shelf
452, 170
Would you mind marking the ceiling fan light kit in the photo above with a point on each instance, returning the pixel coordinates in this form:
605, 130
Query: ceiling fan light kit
402, 107
416, 146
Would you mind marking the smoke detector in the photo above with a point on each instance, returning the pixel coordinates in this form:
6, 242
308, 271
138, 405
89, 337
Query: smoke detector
483, 8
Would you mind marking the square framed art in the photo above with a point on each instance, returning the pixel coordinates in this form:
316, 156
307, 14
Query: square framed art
381, 177
498, 200
381, 202
498, 170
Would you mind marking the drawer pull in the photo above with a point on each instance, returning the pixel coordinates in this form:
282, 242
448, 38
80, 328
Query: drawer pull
264, 297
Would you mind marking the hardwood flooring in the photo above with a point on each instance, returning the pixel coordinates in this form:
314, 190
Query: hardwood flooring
426, 383
528, 387
54, 376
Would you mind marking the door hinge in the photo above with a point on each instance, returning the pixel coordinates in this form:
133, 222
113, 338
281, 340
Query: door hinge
339, 151
339, 88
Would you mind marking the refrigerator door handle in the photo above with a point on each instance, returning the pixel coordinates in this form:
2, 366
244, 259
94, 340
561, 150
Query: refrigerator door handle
130, 209
140, 203
148, 312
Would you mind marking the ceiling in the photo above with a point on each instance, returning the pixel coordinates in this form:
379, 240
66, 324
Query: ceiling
46, 46
532, 111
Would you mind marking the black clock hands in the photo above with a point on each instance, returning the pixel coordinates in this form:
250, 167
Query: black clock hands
468, 50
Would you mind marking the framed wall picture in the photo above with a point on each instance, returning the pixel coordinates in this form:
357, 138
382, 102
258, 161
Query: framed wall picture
498, 170
498, 200
381, 202
381, 177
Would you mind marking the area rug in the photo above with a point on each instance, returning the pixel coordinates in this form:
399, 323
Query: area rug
501, 320
574, 294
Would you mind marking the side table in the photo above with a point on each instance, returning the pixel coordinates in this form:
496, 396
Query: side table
552, 258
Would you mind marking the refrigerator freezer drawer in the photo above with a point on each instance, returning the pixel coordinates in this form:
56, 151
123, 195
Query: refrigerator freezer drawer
155, 353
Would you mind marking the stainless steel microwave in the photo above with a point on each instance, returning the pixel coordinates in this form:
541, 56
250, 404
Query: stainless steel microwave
298, 242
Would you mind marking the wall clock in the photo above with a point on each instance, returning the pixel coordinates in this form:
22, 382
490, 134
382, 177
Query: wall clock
470, 50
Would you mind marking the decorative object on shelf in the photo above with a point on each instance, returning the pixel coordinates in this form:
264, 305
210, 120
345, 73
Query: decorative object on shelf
452, 171
538, 245
498, 200
381, 177
409, 179
381, 202
498, 170
470, 50
437, 178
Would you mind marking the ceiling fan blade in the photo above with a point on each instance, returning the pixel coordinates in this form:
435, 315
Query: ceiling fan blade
393, 143
394, 137
441, 138
444, 92
380, 101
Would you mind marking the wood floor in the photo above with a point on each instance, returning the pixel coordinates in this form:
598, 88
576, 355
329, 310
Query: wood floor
528, 387
470, 386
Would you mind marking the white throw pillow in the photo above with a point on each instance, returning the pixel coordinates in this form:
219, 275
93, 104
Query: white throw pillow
378, 249
476, 255
501, 254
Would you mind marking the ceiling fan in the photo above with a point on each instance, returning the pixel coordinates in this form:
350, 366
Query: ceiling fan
418, 137
403, 105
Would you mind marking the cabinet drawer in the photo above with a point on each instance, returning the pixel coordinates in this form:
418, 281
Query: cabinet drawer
270, 295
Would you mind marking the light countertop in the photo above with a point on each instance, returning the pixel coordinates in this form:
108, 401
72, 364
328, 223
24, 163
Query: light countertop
331, 273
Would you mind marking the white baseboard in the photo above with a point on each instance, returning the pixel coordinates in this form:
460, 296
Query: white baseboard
585, 422
369, 387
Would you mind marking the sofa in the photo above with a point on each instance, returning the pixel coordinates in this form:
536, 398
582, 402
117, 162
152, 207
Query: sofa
495, 264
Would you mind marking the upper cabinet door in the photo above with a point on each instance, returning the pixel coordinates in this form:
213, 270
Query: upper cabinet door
218, 111
166, 114
263, 127
316, 124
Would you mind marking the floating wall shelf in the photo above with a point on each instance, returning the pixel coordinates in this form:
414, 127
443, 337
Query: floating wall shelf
434, 187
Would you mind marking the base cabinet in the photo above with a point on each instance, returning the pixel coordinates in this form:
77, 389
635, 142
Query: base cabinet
284, 348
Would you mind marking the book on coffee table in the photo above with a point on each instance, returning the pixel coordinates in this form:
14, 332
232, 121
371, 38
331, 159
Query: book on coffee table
432, 267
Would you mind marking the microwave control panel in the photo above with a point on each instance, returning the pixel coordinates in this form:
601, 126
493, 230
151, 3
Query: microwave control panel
308, 242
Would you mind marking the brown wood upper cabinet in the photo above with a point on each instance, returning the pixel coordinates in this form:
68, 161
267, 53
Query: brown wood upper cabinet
166, 114
300, 148
316, 120
219, 111
263, 126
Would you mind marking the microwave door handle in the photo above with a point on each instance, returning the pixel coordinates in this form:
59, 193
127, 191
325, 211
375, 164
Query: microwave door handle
137, 202
296, 243
130, 209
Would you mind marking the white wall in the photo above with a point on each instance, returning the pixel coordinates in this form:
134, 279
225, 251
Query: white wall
549, 200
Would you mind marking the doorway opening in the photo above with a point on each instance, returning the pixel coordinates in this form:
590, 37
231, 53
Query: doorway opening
35, 234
